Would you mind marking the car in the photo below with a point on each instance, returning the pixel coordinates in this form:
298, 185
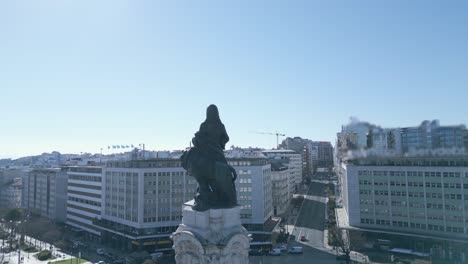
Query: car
295, 250
275, 252
282, 247
100, 251
303, 238
343, 257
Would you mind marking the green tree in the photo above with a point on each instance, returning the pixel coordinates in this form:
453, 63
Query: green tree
13, 215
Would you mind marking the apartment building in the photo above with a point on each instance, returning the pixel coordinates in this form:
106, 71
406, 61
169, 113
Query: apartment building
293, 161
44, 192
84, 201
280, 193
254, 195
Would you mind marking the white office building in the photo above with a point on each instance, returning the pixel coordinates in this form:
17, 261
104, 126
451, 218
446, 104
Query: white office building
142, 202
418, 196
84, 201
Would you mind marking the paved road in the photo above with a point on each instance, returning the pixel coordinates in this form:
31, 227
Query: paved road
311, 223
310, 255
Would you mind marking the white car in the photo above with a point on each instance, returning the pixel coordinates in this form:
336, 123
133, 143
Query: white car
282, 247
100, 251
295, 250
275, 252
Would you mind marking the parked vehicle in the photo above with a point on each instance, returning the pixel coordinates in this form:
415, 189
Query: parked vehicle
295, 250
303, 238
100, 251
282, 247
275, 252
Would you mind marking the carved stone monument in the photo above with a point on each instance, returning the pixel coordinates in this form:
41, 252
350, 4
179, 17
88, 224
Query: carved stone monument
212, 236
211, 230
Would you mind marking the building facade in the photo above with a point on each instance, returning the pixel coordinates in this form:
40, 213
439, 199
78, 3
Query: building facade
11, 182
84, 199
293, 161
142, 200
43, 193
280, 193
420, 196
299, 145
254, 195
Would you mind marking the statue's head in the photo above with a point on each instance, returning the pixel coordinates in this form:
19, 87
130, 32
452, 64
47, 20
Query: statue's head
212, 113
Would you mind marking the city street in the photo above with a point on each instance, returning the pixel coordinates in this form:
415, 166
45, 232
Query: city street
311, 220
310, 223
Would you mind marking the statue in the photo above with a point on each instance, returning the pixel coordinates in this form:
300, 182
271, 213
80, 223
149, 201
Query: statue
206, 163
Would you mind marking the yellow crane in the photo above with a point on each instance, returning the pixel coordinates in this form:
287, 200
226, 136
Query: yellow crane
273, 134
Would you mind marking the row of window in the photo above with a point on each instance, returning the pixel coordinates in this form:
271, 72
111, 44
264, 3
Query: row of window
84, 201
166, 173
412, 225
413, 174
416, 184
162, 218
245, 180
84, 178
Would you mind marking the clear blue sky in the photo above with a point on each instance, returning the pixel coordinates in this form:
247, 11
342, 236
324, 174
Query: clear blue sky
76, 76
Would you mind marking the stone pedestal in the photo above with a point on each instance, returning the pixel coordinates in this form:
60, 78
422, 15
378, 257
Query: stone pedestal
214, 236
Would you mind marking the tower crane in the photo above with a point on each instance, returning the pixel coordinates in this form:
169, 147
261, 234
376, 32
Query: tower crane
273, 134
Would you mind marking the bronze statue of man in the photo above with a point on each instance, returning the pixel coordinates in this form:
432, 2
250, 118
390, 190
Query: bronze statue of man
206, 162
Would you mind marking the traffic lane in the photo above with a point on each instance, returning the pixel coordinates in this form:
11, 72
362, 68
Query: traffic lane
312, 215
317, 189
313, 238
310, 255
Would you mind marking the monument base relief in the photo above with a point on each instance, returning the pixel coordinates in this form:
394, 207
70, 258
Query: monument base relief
211, 236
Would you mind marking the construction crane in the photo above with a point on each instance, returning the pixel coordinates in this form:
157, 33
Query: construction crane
273, 134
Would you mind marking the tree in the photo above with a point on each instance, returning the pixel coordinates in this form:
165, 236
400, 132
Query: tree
13, 215
347, 241
341, 242
11, 218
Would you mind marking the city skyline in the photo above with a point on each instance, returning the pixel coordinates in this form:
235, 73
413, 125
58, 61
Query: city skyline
76, 79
